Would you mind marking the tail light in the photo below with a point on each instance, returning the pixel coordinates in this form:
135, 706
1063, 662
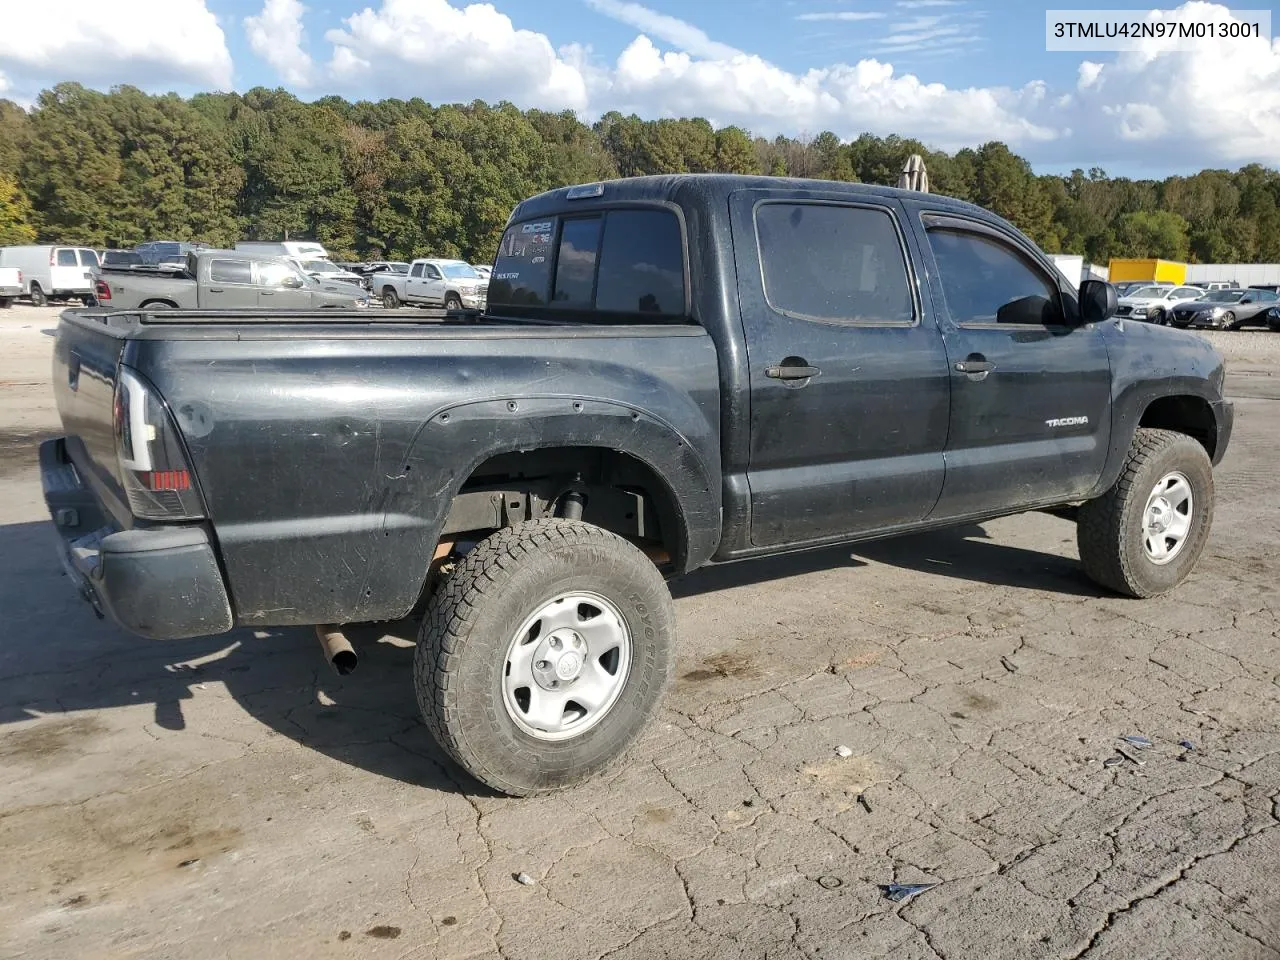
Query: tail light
52, 257
19, 278
153, 463
102, 290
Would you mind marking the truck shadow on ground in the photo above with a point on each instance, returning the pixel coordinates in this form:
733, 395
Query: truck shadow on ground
60, 659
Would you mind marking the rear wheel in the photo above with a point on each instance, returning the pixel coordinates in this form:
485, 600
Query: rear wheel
544, 655
389, 298
6, 303
157, 305
1144, 535
38, 297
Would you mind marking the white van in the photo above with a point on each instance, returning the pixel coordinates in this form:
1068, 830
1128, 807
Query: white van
296, 249
53, 272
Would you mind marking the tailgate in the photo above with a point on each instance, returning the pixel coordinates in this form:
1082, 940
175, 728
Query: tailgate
86, 358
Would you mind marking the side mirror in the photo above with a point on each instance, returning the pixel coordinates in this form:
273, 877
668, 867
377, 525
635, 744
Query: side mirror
1097, 301
291, 282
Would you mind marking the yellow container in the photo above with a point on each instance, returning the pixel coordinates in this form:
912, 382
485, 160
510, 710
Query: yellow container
1167, 271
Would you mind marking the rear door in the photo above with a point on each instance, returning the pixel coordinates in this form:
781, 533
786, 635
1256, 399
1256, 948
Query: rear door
280, 286
66, 275
1030, 389
848, 374
229, 285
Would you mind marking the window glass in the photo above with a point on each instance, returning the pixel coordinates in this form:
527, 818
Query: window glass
641, 263
431, 271
1264, 296
272, 273
830, 262
89, 258
231, 271
417, 270
1183, 292
460, 271
522, 270
986, 281
66, 258
576, 262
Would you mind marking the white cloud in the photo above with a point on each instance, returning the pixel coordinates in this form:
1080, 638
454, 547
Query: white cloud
916, 4
151, 43
276, 36
844, 16
681, 35
431, 49
1088, 74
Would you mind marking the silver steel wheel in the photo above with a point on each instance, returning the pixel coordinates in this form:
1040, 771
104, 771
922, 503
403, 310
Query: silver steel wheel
566, 666
1166, 519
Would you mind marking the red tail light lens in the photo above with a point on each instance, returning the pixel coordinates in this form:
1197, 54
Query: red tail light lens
153, 461
102, 290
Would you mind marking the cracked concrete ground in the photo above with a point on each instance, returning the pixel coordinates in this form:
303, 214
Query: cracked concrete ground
229, 797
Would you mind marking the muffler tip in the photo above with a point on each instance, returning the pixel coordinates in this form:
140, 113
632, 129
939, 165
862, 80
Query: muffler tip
337, 648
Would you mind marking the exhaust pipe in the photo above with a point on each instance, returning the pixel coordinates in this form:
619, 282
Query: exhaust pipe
337, 648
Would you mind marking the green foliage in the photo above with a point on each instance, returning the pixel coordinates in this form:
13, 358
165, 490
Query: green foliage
15, 213
403, 178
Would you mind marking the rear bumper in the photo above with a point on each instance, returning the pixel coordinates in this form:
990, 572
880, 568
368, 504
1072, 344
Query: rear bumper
163, 583
7, 291
1224, 414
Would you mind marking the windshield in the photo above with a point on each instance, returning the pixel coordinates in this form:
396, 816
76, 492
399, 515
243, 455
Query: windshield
1155, 293
320, 266
459, 271
1223, 296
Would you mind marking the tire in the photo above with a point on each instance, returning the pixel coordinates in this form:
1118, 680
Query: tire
1161, 318
389, 298
157, 305
1229, 321
453, 302
497, 595
38, 298
6, 303
1110, 531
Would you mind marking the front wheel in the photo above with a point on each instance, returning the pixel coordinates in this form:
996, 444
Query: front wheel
1144, 535
1229, 321
544, 655
451, 302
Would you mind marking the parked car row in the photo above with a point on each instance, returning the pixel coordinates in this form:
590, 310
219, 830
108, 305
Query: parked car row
1218, 307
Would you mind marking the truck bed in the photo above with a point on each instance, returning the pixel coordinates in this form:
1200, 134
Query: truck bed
328, 445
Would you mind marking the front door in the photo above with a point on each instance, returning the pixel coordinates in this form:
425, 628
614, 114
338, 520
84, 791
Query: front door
433, 285
847, 370
1030, 386
230, 285
281, 286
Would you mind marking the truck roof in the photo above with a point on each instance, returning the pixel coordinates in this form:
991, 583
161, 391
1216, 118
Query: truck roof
716, 186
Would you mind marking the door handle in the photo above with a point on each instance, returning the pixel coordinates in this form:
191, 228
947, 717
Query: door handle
267, 293
975, 367
216, 290
791, 372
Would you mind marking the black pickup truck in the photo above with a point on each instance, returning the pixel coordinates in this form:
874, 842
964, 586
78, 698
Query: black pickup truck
671, 372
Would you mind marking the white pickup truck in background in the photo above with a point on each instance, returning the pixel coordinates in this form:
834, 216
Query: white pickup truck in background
10, 286
452, 284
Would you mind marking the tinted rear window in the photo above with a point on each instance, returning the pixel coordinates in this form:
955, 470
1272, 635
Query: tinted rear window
832, 262
617, 262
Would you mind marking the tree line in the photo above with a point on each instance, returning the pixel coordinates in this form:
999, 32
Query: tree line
399, 178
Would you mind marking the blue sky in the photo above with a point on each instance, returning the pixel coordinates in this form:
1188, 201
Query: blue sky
952, 73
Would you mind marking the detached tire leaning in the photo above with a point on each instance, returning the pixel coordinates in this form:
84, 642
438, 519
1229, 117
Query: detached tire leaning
1144, 535
544, 655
